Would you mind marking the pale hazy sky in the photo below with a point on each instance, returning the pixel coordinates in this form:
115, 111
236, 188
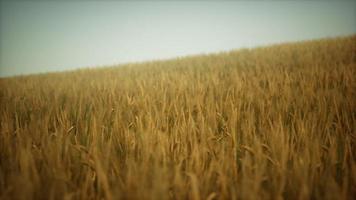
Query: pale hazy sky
41, 36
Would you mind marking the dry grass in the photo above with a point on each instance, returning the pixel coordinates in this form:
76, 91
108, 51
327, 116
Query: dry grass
269, 123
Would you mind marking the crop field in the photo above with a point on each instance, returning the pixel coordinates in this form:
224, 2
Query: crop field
273, 122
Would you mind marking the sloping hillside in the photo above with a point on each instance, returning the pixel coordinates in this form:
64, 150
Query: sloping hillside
268, 123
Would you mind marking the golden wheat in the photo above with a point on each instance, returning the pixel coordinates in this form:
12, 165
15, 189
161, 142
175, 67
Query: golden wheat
275, 122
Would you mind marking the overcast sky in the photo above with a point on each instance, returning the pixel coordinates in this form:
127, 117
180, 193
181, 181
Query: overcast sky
40, 36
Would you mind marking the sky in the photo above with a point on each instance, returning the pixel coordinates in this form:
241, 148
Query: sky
44, 36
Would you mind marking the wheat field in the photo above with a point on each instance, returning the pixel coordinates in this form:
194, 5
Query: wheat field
273, 122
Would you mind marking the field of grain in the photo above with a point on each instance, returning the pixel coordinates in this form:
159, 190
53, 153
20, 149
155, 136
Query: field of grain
274, 122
